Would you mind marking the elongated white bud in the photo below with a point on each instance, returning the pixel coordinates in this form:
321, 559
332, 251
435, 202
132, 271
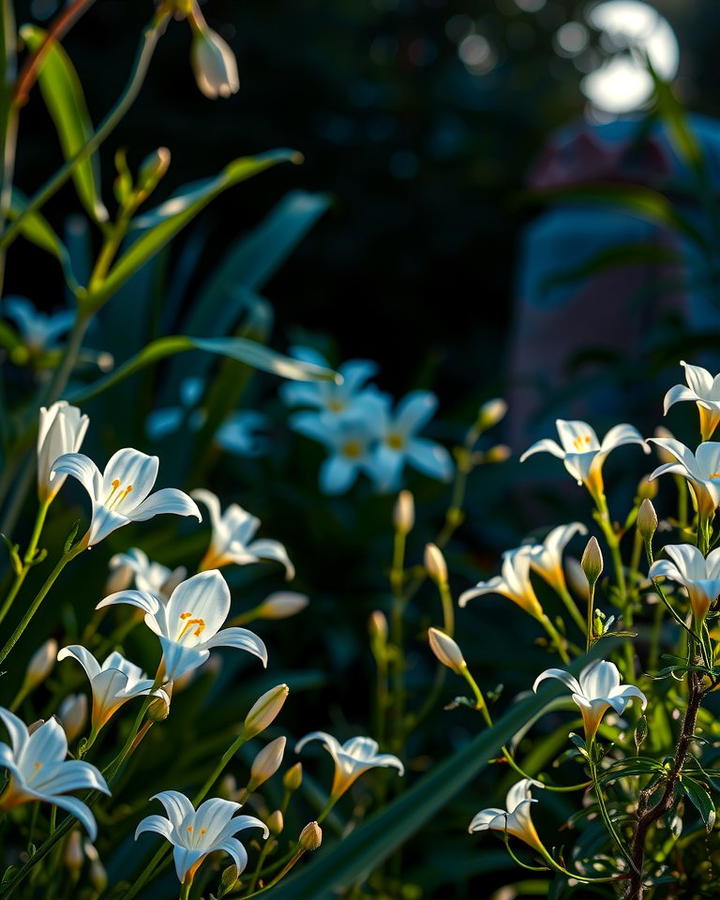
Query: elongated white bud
404, 514
647, 520
282, 605
265, 709
214, 64
266, 763
435, 564
592, 561
41, 664
446, 650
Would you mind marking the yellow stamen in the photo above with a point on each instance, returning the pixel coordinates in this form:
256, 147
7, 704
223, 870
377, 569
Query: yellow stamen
353, 449
38, 766
581, 441
714, 475
189, 828
203, 830
336, 406
188, 626
396, 441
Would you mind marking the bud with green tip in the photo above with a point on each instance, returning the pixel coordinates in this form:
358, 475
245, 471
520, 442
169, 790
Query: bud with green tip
292, 779
491, 413
152, 169
592, 561
265, 710
647, 520
446, 650
276, 822
648, 490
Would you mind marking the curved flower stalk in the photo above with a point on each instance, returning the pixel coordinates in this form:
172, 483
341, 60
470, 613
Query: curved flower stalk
39, 771
151, 577
112, 684
61, 430
596, 690
189, 625
194, 833
704, 391
399, 443
39, 331
121, 494
701, 470
325, 396
583, 455
232, 538
515, 819
355, 756
699, 576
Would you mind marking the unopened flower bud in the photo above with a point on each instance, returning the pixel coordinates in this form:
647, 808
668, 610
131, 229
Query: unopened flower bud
292, 779
491, 413
227, 787
266, 763
41, 664
404, 513
98, 876
435, 564
378, 626
276, 822
152, 169
229, 881
647, 490
265, 709
159, 708
282, 605
647, 520
446, 650
73, 714
592, 561
310, 837
214, 64
497, 454
73, 856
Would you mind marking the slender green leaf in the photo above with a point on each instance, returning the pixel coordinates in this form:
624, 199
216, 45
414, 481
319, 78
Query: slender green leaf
36, 228
162, 224
240, 349
700, 799
63, 94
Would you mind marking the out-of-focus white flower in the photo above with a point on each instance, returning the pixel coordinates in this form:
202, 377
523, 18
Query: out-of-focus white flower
325, 396
151, 577
41, 664
121, 494
596, 690
398, 442
699, 576
701, 470
352, 758
168, 419
189, 625
73, 712
514, 583
232, 538
547, 558
582, 453
39, 771
38, 330
282, 605
214, 64
704, 390
61, 430
112, 684
194, 833
515, 819
242, 433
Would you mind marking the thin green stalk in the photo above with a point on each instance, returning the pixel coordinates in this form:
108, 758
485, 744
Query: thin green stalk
571, 607
28, 559
557, 639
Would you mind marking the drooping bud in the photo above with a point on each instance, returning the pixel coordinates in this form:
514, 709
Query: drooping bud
282, 605
73, 713
592, 561
292, 779
266, 763
214, 64
152, 169
647, 520
265, 709
159, 708
404, 513
435, 564
491, 413
276, 822
446, 650
41, 664
310, 837
73, 856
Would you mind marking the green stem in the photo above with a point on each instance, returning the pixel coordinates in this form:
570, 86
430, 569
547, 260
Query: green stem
185, 890
28, 558
571, 607
556, 637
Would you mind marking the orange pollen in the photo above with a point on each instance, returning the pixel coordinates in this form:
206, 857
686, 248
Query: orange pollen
714, 475
185, 615
116, 484
203, 830
38, 766
189, 828
188, 626
581, 442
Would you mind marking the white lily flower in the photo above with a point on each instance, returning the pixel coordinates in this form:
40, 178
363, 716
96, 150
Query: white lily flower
232, 538
704, 390
39, 771
61, 430
325, 396
352, 758
189, 624
112, 684
39, 331
596, 690
214, 64
547, 558
701, 469
151, 577
194, 833
582, 453
121, 494
398, 443
514, 583
699, 576
515, 819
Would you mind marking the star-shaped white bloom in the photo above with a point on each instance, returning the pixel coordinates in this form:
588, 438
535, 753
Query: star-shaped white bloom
698, 575
189, 625
112, 684
515, 819
352, 758
38, 330
232, 537
595, 691
151, 577
582, 453
61, 429
514, 583
704, 390
325, 396
701, 469
121, 494
39, 771
546, 558
194, 833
